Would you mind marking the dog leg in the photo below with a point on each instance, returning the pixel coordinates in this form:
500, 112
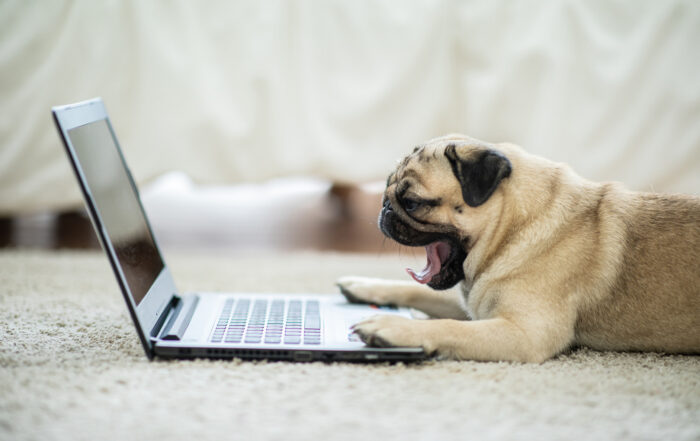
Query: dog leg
496, 339
438, 304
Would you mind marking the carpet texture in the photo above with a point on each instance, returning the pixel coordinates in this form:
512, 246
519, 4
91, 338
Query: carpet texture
71, 368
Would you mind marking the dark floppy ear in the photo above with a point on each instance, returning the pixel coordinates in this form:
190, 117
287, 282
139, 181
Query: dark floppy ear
478, 175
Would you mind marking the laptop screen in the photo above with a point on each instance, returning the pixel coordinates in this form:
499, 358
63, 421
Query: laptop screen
118, 206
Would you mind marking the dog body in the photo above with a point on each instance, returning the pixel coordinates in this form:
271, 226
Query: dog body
543, 259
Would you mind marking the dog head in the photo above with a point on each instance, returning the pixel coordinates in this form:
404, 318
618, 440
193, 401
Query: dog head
440, 197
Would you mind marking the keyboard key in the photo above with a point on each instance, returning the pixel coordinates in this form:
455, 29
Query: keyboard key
313, 322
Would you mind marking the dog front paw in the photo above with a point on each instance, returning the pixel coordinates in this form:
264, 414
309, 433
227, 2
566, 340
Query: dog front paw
366, 290
385, 331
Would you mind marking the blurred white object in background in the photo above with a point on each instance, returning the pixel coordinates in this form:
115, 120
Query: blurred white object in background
265, 215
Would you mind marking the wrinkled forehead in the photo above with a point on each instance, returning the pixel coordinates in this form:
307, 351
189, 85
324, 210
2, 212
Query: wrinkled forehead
431, 155
430, 152
404, 168
421, 155
413, 170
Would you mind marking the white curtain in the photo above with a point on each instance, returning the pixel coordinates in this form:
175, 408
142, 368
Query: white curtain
245, 91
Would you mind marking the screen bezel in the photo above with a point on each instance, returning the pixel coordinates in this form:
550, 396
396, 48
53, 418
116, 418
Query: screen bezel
146, 314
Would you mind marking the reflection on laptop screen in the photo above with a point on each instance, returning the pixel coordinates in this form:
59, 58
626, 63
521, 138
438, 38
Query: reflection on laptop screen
118, 207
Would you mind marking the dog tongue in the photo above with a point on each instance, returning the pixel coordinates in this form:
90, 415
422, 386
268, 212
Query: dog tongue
436, 253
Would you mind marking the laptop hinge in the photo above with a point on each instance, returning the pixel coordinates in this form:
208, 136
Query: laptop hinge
165, 317
177, 316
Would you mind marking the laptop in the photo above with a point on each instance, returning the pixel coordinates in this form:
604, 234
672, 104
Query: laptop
170, 324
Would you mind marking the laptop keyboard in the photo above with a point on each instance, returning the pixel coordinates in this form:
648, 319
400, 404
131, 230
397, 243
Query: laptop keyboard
267, 321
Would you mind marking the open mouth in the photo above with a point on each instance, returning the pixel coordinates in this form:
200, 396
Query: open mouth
445, 250
437, 253
444, 267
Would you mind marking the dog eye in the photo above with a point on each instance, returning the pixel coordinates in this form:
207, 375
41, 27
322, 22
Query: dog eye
411, 204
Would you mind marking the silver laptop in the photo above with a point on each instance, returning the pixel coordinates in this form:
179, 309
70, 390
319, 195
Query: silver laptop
187, 325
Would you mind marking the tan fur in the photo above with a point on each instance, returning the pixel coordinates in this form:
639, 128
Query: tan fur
554, 261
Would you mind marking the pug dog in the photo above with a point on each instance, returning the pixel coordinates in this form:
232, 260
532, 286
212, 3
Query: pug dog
526, 259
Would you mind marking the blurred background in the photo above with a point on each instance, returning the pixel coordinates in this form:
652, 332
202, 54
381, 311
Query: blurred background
273, 124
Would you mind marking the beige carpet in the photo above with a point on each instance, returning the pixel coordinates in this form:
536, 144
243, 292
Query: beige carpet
71, 368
